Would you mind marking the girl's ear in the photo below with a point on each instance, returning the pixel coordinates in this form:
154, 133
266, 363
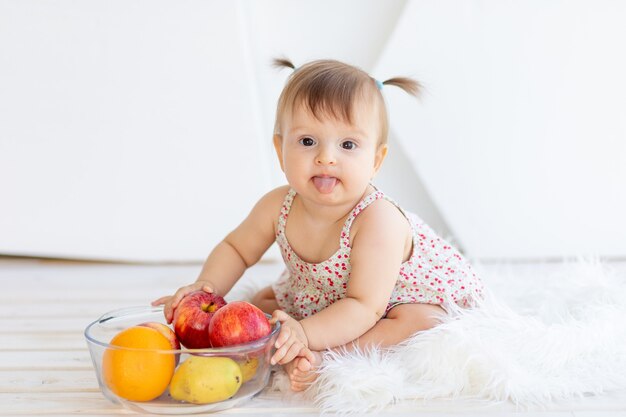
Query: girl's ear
381, 154
278, 146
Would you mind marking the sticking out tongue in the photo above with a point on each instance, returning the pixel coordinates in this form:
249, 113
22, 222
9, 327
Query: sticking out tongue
325, 185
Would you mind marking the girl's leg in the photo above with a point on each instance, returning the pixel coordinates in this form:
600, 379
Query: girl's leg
399, 324
265, 300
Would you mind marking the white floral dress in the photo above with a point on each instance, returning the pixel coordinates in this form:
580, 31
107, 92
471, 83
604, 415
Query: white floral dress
435, 273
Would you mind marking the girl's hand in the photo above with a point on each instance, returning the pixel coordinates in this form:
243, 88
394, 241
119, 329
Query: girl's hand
172, 301
291, 341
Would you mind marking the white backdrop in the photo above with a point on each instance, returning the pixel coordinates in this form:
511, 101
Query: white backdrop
119, 120
141, 130
521, 136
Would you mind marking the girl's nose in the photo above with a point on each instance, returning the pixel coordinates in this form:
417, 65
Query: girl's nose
325, 157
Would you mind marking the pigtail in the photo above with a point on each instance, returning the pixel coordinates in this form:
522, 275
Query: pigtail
282, 63
409, 85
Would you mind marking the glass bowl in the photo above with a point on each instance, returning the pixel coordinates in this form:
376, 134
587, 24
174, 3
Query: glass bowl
255, 354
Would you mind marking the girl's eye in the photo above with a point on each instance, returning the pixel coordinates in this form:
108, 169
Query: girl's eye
349, 145
307, 141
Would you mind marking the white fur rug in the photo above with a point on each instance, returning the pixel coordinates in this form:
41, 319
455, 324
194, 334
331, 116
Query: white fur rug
541, 336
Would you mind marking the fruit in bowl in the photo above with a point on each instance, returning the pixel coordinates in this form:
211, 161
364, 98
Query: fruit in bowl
205, 380
236, 323
165, 330
115, 366
192, 317
135, 367
249, 367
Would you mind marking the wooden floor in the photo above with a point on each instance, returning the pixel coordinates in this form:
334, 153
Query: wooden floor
45, 368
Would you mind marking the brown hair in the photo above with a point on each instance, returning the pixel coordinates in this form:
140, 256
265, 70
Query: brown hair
331, 88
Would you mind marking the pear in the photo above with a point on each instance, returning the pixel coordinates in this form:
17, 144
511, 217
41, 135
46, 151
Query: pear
204, 380
248, 366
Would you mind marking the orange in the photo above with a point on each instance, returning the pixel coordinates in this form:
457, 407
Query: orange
141, 372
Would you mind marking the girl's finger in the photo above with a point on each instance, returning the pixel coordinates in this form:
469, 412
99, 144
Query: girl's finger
283, 337
291, 353
279, 315
179, 295
278, 355
160, 301
169, 313
306, 352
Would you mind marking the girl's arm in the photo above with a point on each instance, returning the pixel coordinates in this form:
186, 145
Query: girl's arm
378, 249
239, 250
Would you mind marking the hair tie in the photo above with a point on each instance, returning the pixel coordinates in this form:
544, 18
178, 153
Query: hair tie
378, 84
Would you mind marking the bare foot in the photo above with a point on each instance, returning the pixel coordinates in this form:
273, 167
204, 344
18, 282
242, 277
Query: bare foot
301, 371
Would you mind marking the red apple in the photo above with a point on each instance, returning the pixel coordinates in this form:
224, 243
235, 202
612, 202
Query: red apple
238, 322
165, 330
192, 317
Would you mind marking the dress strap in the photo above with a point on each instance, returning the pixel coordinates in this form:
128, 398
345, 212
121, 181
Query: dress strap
284, 211
367, 200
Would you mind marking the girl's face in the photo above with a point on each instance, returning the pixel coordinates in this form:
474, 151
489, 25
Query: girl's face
329, 161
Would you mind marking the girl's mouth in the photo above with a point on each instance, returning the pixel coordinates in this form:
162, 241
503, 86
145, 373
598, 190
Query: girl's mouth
325, 185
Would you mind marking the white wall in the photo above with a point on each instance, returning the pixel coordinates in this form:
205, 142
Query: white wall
125, 129
520, 138
141, 130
